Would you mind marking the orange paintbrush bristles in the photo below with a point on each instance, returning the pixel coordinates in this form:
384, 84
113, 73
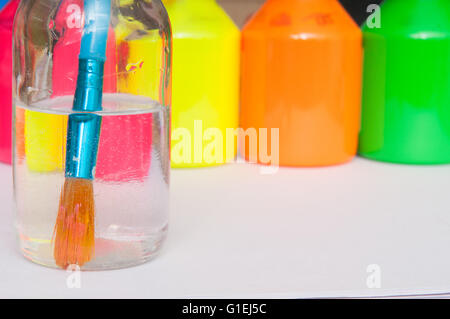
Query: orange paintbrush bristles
74, 230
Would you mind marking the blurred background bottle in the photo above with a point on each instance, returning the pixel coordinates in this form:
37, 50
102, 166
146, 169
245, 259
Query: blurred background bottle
7, 11
406, 91
242, 10
205, 83
301, 73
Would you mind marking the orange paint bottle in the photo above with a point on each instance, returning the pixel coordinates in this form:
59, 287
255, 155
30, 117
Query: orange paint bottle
301, 73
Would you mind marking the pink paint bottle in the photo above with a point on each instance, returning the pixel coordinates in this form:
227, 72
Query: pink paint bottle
7, 11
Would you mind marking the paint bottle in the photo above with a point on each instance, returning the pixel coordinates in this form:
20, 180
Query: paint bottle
205, 83
7, 11
406, 83
301, 83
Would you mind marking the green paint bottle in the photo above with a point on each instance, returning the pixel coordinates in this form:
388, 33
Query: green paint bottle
406, 84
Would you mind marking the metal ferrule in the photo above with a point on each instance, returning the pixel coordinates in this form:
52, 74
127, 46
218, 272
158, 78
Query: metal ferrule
84, 127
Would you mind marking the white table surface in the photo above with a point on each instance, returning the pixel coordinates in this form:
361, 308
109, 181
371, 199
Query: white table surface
298, 233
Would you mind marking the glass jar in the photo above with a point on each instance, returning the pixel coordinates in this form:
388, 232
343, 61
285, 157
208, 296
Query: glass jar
131, 89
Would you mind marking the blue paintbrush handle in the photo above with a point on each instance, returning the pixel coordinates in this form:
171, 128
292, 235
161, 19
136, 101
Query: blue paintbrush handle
83, 134
3, 3
84, 128
89, 91
97, 16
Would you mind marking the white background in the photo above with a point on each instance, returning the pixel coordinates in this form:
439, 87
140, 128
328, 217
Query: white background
297, 233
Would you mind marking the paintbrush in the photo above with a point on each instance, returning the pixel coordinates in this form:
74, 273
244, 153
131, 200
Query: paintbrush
74, 234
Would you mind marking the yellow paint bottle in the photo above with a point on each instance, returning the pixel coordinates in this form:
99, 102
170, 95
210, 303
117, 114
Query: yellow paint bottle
45, 151
205, 100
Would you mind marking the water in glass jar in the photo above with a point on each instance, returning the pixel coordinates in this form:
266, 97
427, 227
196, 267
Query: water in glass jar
131, 184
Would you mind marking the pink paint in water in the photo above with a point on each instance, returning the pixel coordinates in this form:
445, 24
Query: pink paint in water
125, 148
125, 141
6, 23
